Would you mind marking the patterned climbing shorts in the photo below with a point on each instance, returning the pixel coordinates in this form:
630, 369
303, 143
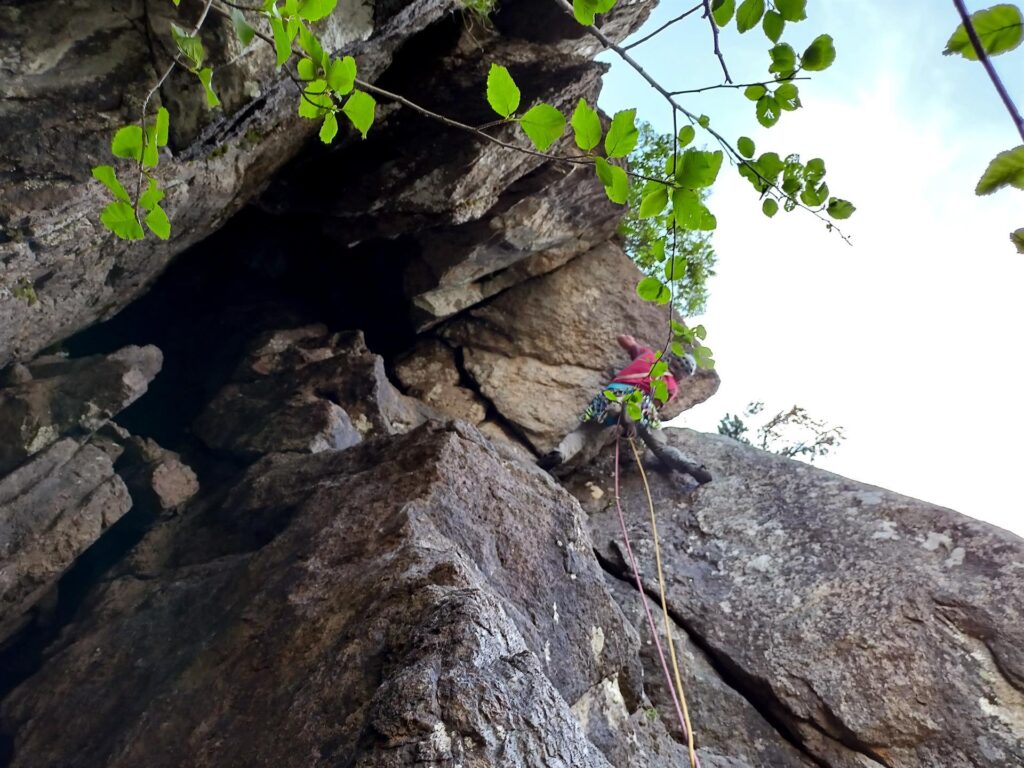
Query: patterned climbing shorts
598, 408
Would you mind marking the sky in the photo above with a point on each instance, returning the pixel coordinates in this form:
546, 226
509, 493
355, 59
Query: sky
909, 339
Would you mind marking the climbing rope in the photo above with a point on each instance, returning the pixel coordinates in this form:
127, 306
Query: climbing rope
678, 699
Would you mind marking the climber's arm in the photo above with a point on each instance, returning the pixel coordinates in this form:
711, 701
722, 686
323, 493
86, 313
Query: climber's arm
631, 346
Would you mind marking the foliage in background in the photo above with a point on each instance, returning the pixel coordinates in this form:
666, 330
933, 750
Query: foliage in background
646, 239
792, 433
992, 32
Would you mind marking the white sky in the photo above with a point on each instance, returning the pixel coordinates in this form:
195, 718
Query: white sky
911, 338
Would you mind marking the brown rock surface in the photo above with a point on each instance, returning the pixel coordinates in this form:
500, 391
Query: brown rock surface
320, 392
413, 599
540, 351
876, 629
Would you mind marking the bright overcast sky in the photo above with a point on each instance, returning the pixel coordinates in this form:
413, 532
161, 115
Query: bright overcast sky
911, 338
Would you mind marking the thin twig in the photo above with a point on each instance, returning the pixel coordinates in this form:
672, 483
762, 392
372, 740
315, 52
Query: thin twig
986, 62
663, 27
714, 35
737, 85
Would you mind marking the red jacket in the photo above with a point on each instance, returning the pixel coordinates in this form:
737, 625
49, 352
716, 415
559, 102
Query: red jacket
638, 372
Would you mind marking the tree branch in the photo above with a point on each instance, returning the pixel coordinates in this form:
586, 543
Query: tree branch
986, 62
737, 85
714, 34
664, 26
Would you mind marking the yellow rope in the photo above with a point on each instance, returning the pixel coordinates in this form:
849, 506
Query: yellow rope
664, 609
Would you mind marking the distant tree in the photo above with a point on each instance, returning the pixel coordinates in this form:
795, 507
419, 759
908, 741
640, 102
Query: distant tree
648, 240
792, 433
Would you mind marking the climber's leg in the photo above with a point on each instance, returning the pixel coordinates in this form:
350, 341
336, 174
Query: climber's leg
571, 444
671, 456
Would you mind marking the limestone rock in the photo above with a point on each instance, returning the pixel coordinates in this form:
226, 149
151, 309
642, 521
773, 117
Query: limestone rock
52, 509
59, 396
876, 629
321, 392
540, 351
413, 599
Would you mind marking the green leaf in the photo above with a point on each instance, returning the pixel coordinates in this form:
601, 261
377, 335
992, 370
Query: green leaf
205, 76
840, 209
819, 54
151, 197
360, 109
700, 332
703, 357
314, 10
788, 97
614, 179
315, 101
792, 10
585, 10
769, 207
999, 28
127, 143
282, 42
722, 11
660, 390
502, 92
675, 268
652, 289
698, 168
813, 196
243, 29
311, 45
586, 126
1017, 238
814, 170
108, 177
191, 48
158, 222
622, 135
1006, 169
783, 60
659, 369
770, 165
654, 200
119, 218
341, 77
690, 211
755, 92
773, 25
704, 121
544, 125
163, 123
768, 111
686, 135
329, 129
150, 151
748, 14
745, 146
306, 69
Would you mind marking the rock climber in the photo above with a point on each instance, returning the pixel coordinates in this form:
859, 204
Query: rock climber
603, 412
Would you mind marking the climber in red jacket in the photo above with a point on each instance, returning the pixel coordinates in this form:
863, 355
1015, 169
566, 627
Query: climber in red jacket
604, 412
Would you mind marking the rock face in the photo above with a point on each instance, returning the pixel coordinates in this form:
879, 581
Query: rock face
377, 629
874, 628
289, 394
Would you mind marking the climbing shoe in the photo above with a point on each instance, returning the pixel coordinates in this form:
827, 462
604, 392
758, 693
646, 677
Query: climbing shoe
550, 460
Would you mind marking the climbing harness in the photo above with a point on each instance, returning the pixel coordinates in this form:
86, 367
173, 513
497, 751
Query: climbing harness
675, 686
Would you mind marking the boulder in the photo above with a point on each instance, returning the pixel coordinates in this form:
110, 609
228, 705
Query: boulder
415, 599
305, 390
872, 628
57, 396
52, 509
